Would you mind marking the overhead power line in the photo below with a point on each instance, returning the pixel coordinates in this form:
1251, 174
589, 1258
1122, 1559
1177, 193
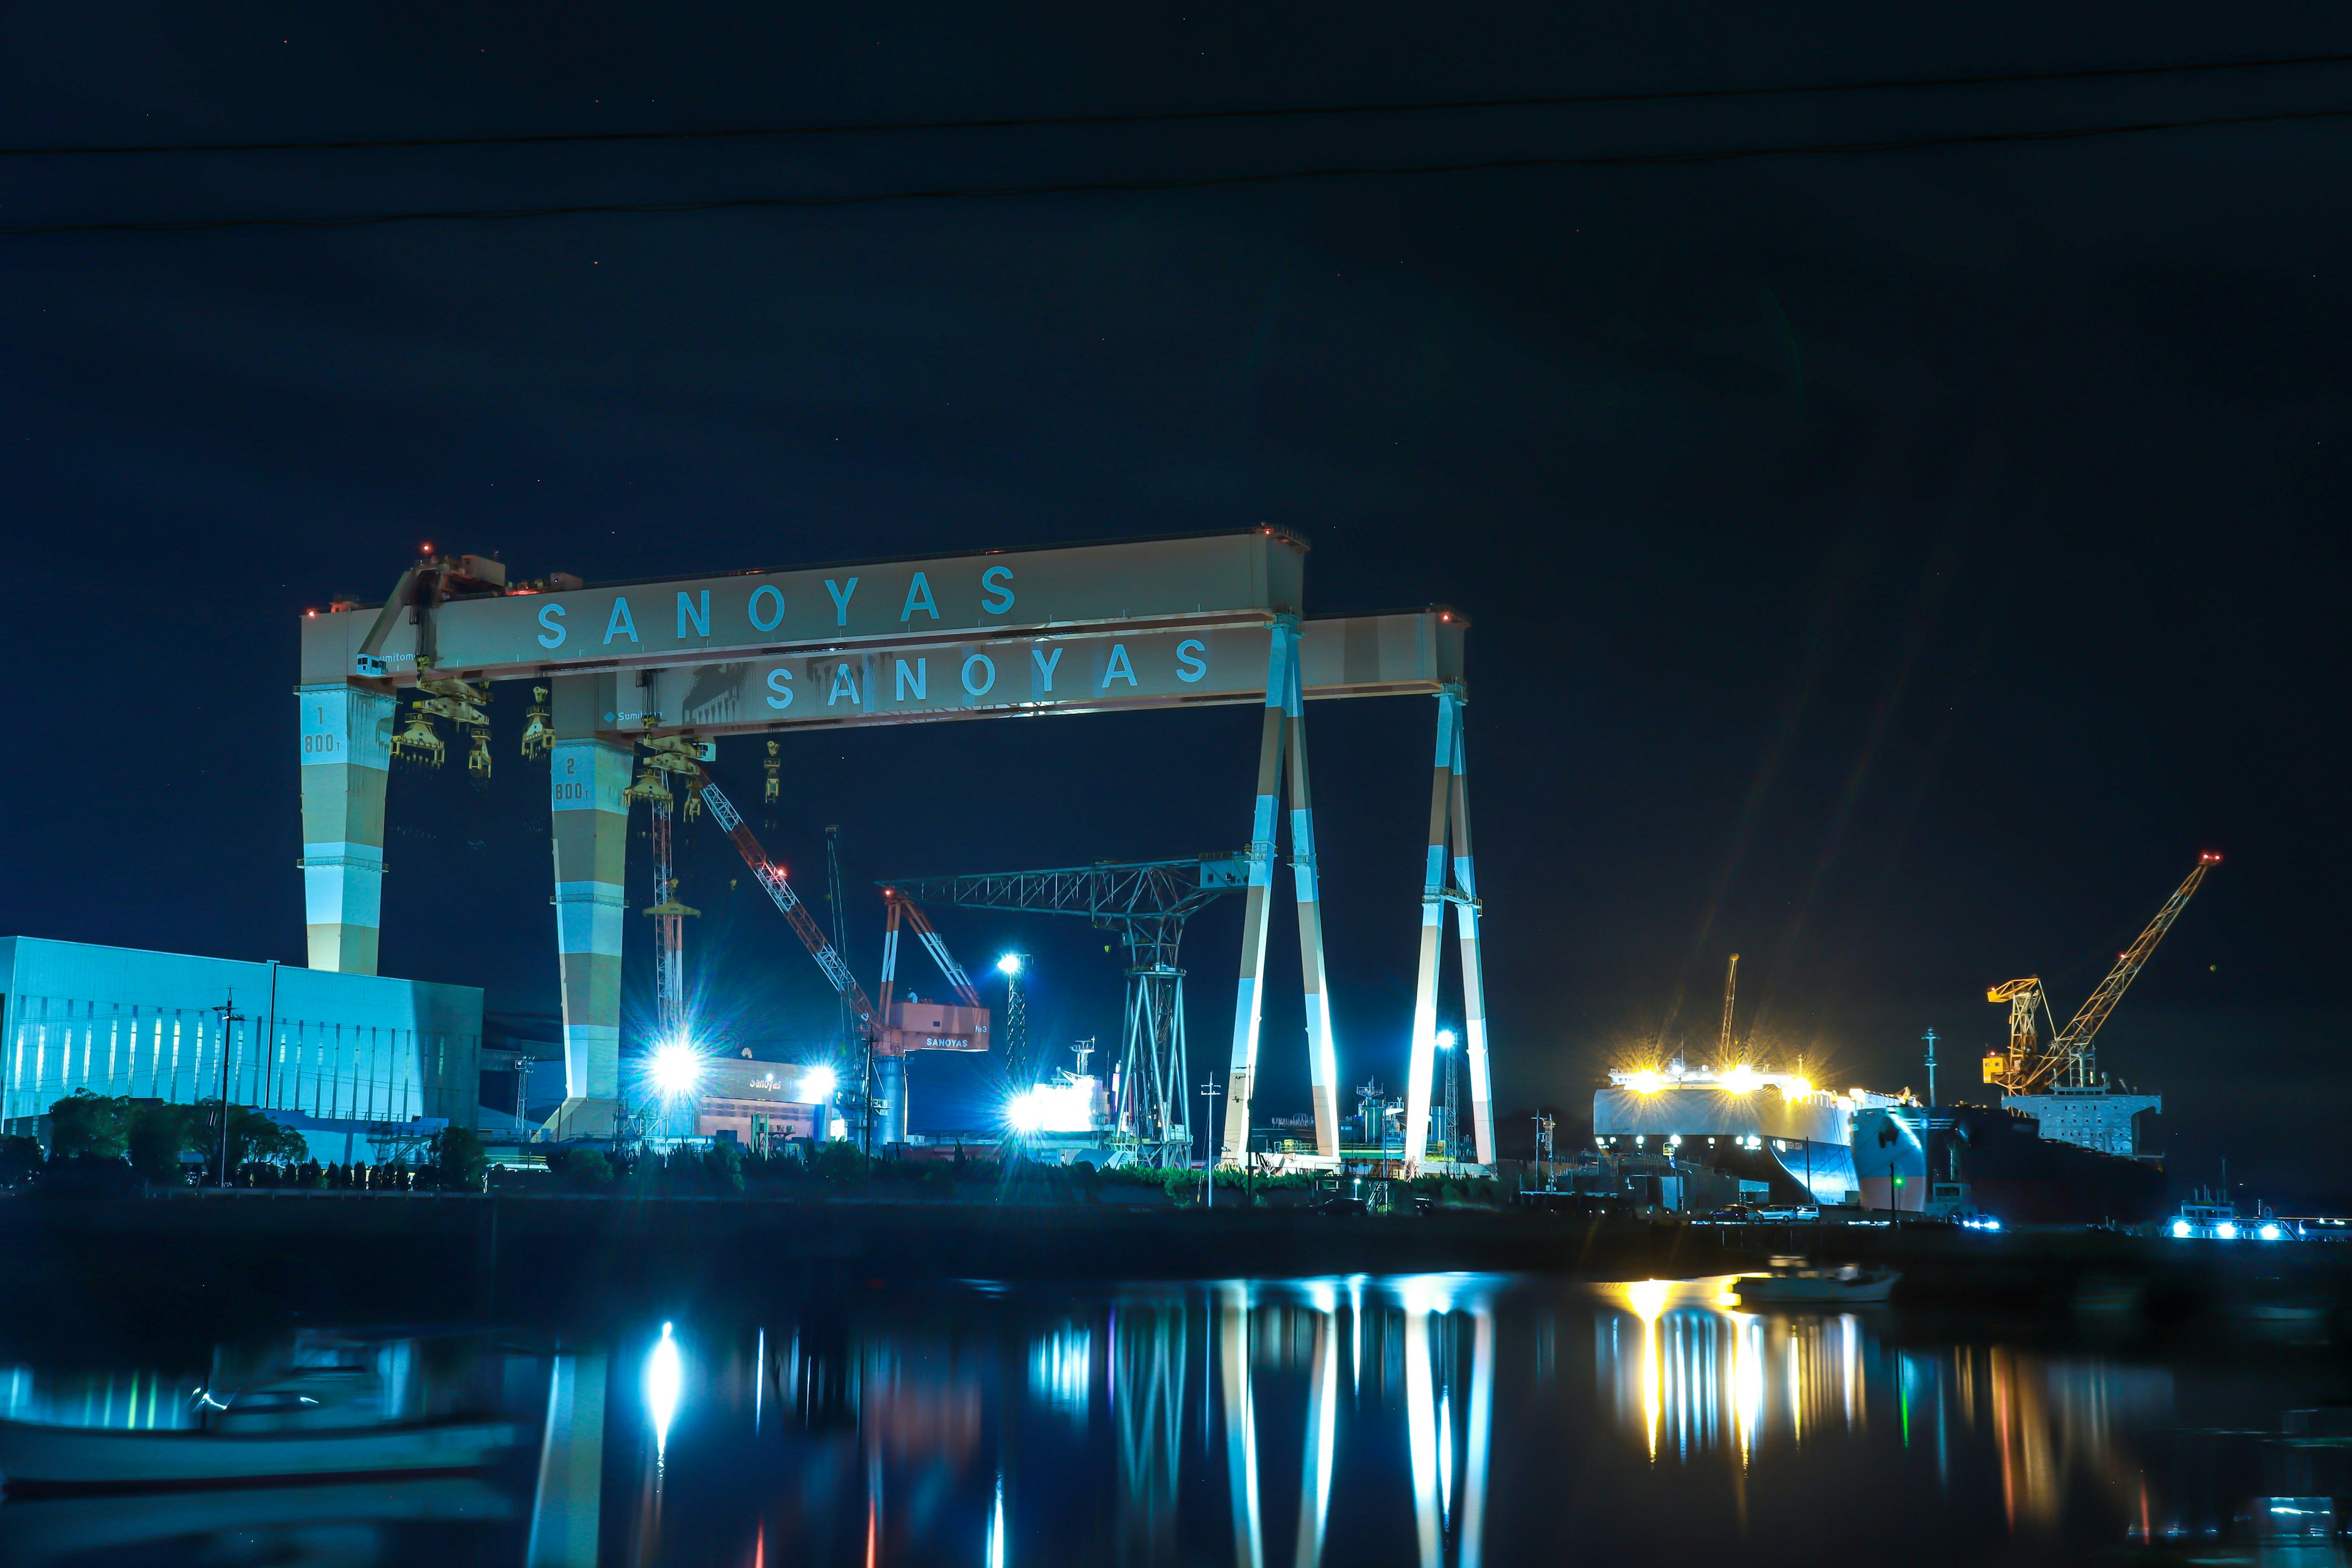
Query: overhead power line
1174, 183
1178, 117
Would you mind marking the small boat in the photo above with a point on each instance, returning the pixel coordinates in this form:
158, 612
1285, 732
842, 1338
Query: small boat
2209, 1216
311, 1424
1796, 1286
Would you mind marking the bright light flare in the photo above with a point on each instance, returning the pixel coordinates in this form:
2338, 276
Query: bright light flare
1053, 1108
1445, 1038
817, 1084
2181, 1228
676, 1069
2269, 1233
1009, 964
664, 1377
1740, 1079
1798, 1088
2226, 1230
1645, 1082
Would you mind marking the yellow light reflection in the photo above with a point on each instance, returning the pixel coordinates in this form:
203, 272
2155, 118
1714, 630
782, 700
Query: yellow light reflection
1747, 1381
1648, 1300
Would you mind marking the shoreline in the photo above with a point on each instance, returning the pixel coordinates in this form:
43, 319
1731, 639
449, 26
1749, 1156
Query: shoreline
124, 1266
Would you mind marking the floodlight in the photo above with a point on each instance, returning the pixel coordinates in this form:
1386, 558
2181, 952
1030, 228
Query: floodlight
1009, 964
2226, 1230
2270, 1233
1645, 1083
677, 1068
1024, 1112
1739, 1080
1444, 1039
2180, 1227
817, 1084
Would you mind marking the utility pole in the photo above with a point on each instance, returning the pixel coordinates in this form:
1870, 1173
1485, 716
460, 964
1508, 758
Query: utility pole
1930, 1037
1209, 1117
229, 1016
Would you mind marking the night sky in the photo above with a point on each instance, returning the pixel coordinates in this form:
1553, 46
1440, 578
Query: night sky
1896, 567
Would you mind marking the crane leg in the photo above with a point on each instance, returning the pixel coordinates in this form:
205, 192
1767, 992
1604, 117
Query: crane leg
1473, 980
1283, 651
1423, 1060
1322, 1052
587, 775
346, 732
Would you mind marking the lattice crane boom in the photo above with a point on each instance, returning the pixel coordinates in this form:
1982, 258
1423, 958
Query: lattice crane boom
2030, 1070
771, 876
2077, 1036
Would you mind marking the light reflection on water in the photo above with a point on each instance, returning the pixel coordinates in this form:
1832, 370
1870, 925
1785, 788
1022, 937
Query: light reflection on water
1434, 1421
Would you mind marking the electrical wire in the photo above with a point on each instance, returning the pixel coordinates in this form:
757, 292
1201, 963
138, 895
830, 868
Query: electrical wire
1177, 117
1174, 183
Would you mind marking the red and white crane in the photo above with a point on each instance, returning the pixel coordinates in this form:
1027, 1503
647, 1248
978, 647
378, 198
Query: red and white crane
891, 1030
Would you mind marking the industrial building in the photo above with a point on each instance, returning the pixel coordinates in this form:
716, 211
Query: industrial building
330, 1053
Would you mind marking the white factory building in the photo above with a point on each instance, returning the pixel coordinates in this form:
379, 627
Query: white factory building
327, 1052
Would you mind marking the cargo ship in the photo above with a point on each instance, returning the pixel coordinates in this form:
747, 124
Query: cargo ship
1699, 1137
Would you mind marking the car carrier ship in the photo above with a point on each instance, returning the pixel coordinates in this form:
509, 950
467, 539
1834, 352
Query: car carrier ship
2063, 1146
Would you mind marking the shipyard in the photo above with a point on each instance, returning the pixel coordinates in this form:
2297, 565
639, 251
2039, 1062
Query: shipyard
1161, 786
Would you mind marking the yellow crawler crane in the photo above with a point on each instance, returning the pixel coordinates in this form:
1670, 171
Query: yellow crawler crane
2068, 1062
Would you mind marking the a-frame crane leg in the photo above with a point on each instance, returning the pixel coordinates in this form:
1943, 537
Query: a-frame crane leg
1473, 980
591, 834
1322, 1052
346, 758
1422, 1061
1241, 1079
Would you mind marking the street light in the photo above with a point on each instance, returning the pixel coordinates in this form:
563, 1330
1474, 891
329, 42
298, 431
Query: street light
1009, 965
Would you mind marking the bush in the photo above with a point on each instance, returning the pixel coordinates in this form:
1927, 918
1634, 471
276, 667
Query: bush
464, 1163
839, 1162
581, 1169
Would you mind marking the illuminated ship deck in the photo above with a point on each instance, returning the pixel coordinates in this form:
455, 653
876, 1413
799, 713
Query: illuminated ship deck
1776, 1127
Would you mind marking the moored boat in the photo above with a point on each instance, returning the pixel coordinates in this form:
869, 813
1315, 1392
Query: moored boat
1846, 1285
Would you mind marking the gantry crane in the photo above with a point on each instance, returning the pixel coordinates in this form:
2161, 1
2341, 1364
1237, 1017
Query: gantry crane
2069, 1061
1148, 904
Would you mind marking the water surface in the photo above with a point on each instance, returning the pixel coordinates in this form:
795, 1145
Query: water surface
1428, 1421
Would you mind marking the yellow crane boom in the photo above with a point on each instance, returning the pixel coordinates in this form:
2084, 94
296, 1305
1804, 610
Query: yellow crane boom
2025, 1067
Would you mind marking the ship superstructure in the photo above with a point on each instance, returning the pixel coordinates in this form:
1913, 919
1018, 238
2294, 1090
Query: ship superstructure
1775, 1130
